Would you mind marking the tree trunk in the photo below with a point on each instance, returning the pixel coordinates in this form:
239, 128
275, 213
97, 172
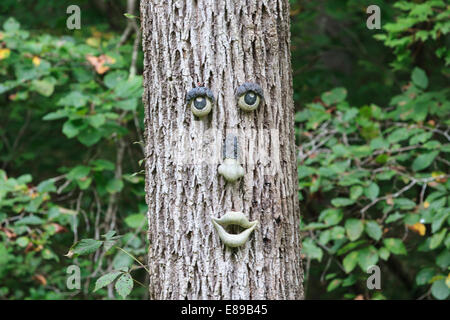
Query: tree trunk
220, 44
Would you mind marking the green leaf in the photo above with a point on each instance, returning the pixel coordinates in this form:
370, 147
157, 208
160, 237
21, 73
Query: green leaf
121, 261
443, 260
424, 276
356, 192
311, 250
110, 235
112, 79
385, 175
399, 135
331, 216
30, 220
22, 241
136, 220
384, 253
367, 257
108, 244
411, 219
130, 16
75, 99
78, 172
129, 104
334, 96
102, 164
373, 230
89, 136
350, 261
129, 88
394, 217
342, 202
11, 25
404, 203
349, 281
4, 255
439, 290
419, 78
84, 183
372, 191
96, 120
124, 285
395, 246
423, 161
337, 233
350, 246
114, 185
46, 186
106, 279
43, 87
334, 284
87, 246
70, 129
437, 238
420, 138
439, 219
325, 237
58, 114
354, 228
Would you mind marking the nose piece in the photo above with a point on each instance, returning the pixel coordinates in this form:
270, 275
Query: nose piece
231, 170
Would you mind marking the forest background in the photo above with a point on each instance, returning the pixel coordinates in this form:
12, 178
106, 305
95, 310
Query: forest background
372, 132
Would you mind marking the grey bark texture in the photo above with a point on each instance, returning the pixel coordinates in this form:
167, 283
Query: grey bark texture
220, 44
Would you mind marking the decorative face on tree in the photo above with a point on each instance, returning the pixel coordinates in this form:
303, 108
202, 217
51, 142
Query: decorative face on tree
201, 100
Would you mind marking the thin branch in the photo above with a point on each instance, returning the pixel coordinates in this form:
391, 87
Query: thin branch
134, 258
413, 182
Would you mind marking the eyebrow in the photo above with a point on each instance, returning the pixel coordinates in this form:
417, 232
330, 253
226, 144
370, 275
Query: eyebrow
249, 86
199, 92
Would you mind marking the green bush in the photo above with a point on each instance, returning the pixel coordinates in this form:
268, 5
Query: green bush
70, 117
374, 181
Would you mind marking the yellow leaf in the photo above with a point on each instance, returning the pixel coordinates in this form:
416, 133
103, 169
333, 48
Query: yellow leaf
426, 204
36, 61
435, 174
4, 53
96, 34
439, 176
418, 228
93, 42
447, 280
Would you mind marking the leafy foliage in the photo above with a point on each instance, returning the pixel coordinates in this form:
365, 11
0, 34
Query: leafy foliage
70, 114
374, 179
387, 177
372, 152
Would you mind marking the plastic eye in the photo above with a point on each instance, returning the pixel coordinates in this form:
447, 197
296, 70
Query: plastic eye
201, 106
200, 100
249, 101
249, 96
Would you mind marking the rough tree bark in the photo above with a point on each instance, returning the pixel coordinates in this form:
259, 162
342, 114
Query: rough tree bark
220, 44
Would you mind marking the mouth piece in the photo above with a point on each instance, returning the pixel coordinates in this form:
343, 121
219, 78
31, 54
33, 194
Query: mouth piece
238, 225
